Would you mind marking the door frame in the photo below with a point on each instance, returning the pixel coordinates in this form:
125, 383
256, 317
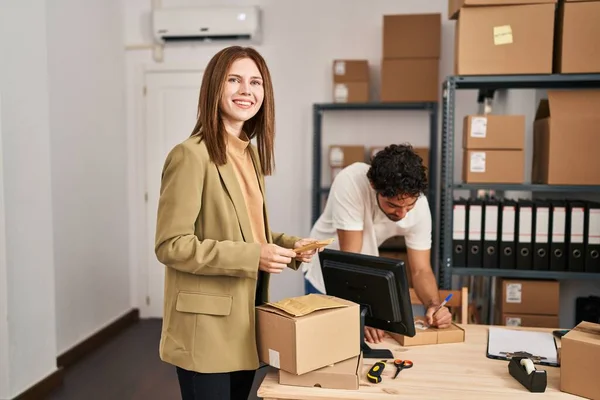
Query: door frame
138, 185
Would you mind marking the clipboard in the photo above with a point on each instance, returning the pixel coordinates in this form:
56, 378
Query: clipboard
540, 347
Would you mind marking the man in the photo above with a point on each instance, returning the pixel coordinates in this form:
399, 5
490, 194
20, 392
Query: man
369, 204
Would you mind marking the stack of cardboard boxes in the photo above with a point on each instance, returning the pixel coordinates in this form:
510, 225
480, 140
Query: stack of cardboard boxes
351, 81
411, 53
532, 303
493, 148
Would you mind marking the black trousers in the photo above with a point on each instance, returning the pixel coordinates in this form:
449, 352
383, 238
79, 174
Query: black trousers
221, 386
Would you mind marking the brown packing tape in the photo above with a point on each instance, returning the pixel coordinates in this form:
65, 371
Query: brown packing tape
591, 331
314, 245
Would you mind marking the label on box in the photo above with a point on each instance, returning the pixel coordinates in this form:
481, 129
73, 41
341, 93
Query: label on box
274, 358
503, 35
340, 68
336, 157
513, 321
513, 293
478, 127
477, 161
340, 93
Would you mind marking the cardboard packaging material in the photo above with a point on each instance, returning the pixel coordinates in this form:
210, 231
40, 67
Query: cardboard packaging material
342, 375
305, 333
580, 352
412, 36
494, 132
578, 37
454, 6
566, 139
409, 80
351, 81
351, 92
504, 39
524, 296
493, 166
452, 334
531, 320
341, 156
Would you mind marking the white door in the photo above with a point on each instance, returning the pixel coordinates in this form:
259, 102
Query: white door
170, 115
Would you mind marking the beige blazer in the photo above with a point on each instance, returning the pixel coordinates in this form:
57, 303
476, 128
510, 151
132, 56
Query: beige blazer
204, 238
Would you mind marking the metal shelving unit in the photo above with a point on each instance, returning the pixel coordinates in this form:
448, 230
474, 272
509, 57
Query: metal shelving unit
448, 186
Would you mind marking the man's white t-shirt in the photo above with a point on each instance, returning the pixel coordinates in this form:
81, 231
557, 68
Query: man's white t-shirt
352, 205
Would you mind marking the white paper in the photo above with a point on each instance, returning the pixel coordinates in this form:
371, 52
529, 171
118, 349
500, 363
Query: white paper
458, 222
274, 358
513, 292
513, 321
340, 68
478, 161
341, 93
478, 127
539, 344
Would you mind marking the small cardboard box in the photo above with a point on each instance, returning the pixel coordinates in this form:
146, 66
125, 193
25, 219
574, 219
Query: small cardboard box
351, 92
410, 80
342, 375
493, 166
578, 37
504, 39
344, 155
345, 71
580, 352
452, 334
566, 139
522, 296
494, 132
305, 333
412, 36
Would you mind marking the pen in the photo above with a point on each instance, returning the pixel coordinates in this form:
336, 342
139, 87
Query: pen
443, 303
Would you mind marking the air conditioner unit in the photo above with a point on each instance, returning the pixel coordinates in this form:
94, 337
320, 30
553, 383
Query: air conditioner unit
206, 24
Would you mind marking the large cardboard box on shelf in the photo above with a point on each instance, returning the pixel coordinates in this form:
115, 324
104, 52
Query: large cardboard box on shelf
409, 80
528, 296
499, 37
566, 138
577, 45
493, 166
305, 333
580, 352
342, 375
431, 335
350, 81
412, 36
530, 320
494, 132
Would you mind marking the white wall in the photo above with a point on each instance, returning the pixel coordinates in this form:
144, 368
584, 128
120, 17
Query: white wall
28, 328
86, 77
4, 345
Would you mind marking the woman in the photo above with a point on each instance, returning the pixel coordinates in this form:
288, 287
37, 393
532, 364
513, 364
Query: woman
213, 232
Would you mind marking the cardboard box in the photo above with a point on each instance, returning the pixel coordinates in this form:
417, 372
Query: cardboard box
342, 375
345, 71
493, 166
454, 6
344, 155
502, 40
305, 333
577, 45
412, 36
494, 132
410, 80
530, 320
580, 352
452, 334
351, 92
566, 138
529, 297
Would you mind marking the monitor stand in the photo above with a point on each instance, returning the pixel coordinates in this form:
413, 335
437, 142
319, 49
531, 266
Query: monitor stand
366, 350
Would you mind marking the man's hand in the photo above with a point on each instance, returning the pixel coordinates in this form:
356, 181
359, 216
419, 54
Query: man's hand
441, 319
373, 335
305, 256
273, 258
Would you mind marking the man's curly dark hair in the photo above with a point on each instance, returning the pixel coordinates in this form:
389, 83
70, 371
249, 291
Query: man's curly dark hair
398, 171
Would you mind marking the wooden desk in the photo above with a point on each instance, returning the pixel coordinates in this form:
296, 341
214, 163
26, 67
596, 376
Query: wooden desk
444, 371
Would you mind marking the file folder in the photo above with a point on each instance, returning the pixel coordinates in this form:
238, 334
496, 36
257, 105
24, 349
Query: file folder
558, 250
490, 234
541, 248
475, 225
524, 232
575, 236
459, 233
592, 237
508, 212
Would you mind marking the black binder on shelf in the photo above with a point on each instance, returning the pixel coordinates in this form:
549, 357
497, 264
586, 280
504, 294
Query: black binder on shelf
541, 247
524, 245
507, 223
592, 237
575, 235
558, 229
490, 234
459, 233
475, 225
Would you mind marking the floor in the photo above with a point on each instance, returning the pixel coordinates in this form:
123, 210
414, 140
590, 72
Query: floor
127, 368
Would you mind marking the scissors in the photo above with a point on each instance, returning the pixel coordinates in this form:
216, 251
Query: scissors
400, 365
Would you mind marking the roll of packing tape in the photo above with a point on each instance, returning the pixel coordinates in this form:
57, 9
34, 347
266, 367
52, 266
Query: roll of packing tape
528, 364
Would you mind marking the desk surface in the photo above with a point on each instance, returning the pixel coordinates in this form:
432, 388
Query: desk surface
444, 371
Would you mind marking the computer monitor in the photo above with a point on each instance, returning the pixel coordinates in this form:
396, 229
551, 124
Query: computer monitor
379, 285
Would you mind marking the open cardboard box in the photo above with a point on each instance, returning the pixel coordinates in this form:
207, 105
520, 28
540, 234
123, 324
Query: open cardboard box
431, 335
342, 375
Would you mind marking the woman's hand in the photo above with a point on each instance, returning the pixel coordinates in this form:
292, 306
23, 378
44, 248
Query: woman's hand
305, 256
273, 258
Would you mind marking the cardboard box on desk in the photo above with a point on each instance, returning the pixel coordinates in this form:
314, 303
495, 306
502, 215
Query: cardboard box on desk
580, 352
452, 334
342, 375
305, 333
